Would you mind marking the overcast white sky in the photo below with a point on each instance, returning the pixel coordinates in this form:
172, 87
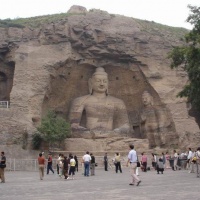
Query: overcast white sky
168, 12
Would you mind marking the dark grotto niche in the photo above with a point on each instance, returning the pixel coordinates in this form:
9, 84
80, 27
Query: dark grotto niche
70, 80
193, 112
6, 80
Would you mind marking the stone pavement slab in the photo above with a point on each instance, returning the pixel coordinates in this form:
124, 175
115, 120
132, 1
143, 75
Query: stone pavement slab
172, 185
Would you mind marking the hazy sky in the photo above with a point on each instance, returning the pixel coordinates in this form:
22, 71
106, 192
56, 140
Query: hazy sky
168, 12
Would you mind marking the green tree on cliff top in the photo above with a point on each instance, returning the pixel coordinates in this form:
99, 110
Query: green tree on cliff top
188, 56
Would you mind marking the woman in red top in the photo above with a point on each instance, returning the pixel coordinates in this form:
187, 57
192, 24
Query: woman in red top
144, 162
167, 157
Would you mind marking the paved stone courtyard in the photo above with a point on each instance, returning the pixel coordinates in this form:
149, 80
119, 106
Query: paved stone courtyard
172, 185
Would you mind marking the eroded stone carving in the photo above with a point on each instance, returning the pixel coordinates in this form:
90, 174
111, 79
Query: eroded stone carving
156, 121
3, 86
103, 112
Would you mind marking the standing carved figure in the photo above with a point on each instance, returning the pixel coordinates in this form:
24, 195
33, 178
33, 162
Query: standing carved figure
150, 120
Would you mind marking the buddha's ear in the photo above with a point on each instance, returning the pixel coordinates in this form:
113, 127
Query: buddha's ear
152, 103
90, 85
107, 92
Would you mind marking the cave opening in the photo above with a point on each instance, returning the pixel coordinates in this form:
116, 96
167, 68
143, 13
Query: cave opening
6, 80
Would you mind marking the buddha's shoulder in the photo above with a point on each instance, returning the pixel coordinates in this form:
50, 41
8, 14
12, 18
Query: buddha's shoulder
115, 100
81, 99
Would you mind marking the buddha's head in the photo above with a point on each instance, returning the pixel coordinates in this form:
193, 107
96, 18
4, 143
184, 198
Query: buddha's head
99, 81
147, 99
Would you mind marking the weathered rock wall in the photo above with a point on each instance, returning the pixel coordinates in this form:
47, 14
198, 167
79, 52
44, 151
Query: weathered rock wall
52, 64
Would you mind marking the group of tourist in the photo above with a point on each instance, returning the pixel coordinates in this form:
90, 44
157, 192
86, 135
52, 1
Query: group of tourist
67, 166
188, 160
159, 163
193, 161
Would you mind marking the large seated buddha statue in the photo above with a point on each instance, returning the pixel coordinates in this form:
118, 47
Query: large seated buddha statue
103, 112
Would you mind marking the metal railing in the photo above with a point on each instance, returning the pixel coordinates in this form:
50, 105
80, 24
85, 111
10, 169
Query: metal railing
32, 164
4, 104
24, 164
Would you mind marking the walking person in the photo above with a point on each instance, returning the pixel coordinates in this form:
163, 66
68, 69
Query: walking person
60, 165
176, 161
76, 159
65, 167
189, 161
153, 160
58, 162
164, 159
49, 164
118, 163
2, 166
41, 164
132, 160
167, 157
92, 166
198, 162
72, 164
86, 160
105, 158
144, 162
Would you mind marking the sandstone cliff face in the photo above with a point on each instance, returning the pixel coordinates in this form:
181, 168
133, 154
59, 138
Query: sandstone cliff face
47, 67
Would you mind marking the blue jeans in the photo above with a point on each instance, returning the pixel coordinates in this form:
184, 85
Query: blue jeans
49, 167
87, 168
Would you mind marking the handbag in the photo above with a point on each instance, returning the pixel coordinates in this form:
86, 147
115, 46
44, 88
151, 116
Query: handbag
2, 165
138, 164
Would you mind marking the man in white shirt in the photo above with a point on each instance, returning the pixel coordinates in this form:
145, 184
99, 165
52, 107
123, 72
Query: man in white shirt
132, 160
176, 167
57, 163
86, 160
189, 160
198, 162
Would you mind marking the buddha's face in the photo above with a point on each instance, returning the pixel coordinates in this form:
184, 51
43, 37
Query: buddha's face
100, 83
146, 98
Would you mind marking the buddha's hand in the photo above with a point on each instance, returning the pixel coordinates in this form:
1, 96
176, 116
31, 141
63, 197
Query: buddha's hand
78, 127
117, 130
123, 129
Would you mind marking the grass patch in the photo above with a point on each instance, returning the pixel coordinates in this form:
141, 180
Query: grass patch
35, 22
162, 30
146, 26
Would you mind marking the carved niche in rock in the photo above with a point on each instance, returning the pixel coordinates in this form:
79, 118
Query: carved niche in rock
156, 122
6, 80
69, 81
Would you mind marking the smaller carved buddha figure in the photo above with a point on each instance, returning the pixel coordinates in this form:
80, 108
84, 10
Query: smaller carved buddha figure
3, 87
150, 120
103, 112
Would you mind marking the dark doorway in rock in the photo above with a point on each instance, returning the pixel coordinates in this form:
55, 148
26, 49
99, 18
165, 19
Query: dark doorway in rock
3, 86
196, 114
138, 132
6, 80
